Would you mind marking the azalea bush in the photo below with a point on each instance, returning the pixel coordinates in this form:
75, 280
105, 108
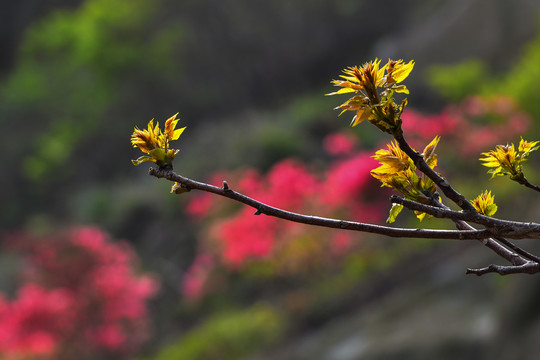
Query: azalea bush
79, 297
411, 173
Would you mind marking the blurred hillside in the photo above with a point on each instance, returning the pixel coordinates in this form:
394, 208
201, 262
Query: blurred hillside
248, 79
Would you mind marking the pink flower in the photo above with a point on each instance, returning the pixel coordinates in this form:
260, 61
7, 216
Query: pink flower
289, 185
200, 205
109, 336
251, 182
247, 236
196, 276
428, 126
339, 144
347, 180
89, 237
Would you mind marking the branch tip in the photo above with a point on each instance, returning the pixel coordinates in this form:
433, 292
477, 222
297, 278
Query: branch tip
527, 268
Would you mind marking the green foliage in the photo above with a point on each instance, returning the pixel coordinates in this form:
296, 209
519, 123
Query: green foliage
522, 82
308, 107
99, 36
74, 67
457, 81
277, 143
231, 335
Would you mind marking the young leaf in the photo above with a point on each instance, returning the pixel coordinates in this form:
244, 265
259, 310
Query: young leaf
142, 159
394, 212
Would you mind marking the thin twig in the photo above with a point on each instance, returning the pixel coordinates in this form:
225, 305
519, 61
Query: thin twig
529, 185
527, 268
523, 253
493, 245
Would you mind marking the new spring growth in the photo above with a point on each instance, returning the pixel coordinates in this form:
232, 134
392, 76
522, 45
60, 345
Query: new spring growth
375, 88
485, 204
398, 171
155, 142
505, 160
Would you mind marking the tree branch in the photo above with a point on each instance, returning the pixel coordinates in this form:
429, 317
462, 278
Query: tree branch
499, 227
523, 253
522, 261
519, 258
262, 208
498, 244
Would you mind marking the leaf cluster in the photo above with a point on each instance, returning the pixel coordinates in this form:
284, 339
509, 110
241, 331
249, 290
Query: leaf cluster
155, 142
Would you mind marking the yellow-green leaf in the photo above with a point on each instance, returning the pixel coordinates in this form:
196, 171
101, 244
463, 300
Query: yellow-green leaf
158, 154
341, 91
401, 89
394, 212
142, 159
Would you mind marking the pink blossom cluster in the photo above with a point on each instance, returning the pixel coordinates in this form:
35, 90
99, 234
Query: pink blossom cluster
235, 238
289, 185
80, 298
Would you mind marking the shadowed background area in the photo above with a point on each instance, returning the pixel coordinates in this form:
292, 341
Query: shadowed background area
248, 79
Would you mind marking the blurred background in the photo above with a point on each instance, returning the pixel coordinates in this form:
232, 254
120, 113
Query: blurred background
100, 261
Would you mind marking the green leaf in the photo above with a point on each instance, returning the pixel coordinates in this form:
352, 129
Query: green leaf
491, 209
394, 212
142, 159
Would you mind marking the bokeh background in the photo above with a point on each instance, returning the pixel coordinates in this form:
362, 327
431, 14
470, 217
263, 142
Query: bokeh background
100, 261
